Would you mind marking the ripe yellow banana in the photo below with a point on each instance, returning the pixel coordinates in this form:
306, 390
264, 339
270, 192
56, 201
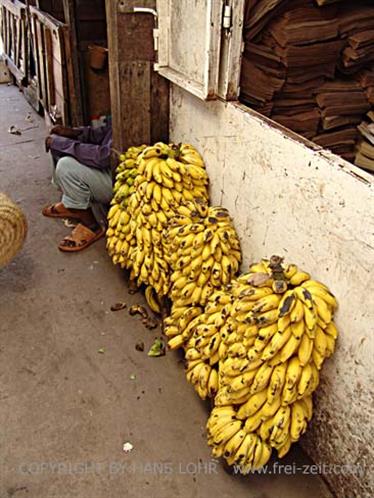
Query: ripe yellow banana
277, 381
298, 421
262, 378
324, 310
298, 278
213, 383
270, 409
253, 405
233, 444
284, 448
320, 342
320, 290
267, 303
305, 350
277, 342
290, 348
253, 422
306, 378
227, 432
245, 450
261, 456
287, 303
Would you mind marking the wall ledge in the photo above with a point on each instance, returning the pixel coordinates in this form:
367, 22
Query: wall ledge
335, 160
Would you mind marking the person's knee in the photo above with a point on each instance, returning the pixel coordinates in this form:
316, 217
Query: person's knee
64, 168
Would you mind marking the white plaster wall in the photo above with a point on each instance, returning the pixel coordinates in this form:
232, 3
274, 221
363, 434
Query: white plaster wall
316, 210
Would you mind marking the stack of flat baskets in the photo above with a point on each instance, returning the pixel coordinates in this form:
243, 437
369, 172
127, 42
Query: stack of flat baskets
13, 229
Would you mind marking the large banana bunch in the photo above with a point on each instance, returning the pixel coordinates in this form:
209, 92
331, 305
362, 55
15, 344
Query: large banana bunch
157, 184
204, 253
163, 185
278, 331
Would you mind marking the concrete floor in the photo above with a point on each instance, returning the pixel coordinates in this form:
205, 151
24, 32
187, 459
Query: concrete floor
65, 409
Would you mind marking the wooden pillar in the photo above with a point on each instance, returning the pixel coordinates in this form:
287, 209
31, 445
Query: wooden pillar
76, 97
139, 96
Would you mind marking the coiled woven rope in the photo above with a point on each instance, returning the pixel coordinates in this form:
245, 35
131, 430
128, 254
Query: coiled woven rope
13, 229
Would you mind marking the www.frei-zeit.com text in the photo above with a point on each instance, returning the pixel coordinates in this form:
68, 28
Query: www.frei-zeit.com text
194, 468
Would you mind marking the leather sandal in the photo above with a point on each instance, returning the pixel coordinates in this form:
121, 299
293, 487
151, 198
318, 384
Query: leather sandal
58, 210
80, 238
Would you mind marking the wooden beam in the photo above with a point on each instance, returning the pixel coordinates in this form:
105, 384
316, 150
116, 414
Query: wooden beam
139, 96
45, 18
15, 7
35, 45
19, 76
115, 95
49, 68
73, 64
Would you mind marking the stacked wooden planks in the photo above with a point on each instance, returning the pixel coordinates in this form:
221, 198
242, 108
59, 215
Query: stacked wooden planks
309, 65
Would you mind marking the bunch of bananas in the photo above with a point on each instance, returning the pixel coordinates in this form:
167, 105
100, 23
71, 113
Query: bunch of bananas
118, 239
178, 326
165, 182
168, 177
200, 337
119, 236
204, 253
126, 173
229, 439
278, 331
203, 377
250, 448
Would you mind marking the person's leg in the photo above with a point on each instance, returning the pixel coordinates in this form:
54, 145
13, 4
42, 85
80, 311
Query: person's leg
83, 188
54, 160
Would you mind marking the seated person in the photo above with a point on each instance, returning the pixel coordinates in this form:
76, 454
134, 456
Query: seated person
82, 172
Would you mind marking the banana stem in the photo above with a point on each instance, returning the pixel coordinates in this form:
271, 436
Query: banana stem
276, 267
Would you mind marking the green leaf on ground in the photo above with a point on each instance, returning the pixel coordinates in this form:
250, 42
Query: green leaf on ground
157, 348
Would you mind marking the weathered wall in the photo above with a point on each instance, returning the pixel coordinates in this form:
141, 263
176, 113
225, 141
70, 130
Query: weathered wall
317, 211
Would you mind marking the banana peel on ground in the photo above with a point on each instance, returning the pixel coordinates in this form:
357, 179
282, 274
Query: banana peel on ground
149, 322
